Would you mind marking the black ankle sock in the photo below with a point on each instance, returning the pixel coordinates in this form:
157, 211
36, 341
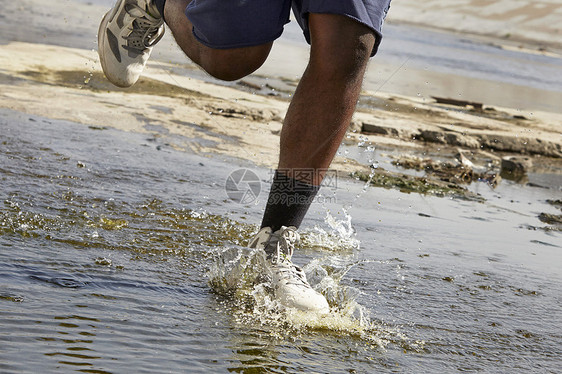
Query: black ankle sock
288, 202
160, 6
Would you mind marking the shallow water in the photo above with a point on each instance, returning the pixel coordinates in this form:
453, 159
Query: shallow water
109, 245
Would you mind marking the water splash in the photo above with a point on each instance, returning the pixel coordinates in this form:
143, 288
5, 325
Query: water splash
236, 270
237, 277
339, 237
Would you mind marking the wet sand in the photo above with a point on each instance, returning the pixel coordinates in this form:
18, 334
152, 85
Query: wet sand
534, 22
244, 120
180, 100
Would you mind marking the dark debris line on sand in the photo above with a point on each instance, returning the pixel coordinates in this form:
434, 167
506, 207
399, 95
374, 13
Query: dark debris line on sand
423, 185
553, 220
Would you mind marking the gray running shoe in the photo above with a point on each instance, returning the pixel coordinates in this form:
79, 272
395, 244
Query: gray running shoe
126, 36
288, 280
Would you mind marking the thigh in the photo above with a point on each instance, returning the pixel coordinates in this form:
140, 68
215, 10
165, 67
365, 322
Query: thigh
370, 13
225, 24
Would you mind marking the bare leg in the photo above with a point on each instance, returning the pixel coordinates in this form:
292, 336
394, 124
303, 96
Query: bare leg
225, 64
326, 96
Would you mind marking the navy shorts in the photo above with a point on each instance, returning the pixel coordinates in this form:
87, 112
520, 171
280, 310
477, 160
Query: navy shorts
224, 24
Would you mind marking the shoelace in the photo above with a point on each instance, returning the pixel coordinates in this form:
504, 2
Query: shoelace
291, 273
147, 30
285, 243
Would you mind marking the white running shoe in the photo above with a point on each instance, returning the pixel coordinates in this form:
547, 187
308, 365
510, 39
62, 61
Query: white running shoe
126, 36
288, 280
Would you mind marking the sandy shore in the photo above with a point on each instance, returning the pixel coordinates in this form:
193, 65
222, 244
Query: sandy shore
49, 67
538, 23
244, 120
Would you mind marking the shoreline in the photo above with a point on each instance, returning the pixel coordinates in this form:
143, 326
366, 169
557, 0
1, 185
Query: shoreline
398, 68
206, 118
551, 48
534, 23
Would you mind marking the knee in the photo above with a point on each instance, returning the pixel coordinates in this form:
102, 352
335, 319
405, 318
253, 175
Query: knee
340, 47
233, 64
347, 59
228, 70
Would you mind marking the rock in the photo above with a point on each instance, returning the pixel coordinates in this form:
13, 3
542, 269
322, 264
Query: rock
451, 138
555, 203
377, 129
515, 168
251, 85
456, 102
516, 164
513, 143
431, 136
551, 219
461, 140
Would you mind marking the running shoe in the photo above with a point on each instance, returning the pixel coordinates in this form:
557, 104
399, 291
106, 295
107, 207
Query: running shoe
126, 36
288, 280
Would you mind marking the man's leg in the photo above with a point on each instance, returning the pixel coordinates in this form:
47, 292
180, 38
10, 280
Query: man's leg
314, 126
327, 94
225, 64
319, 114
131, 28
